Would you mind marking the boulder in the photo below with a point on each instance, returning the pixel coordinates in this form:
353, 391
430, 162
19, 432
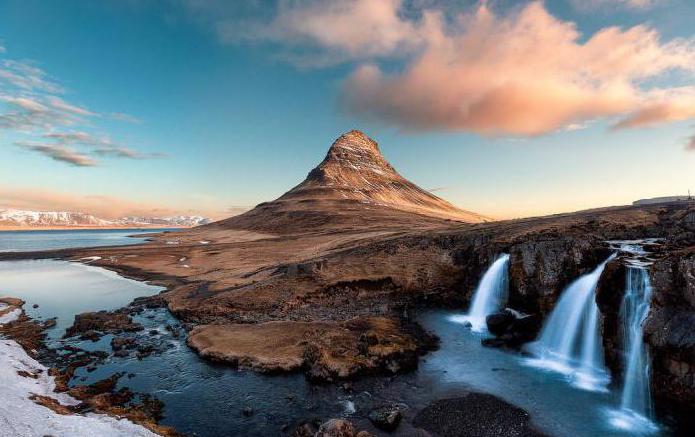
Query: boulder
386, 418
499, 322
511, 328
103, 321
336, 428
305, 429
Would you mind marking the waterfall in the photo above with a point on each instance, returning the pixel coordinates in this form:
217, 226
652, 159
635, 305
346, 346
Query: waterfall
633, 313
569, 341
635, 411
490, 295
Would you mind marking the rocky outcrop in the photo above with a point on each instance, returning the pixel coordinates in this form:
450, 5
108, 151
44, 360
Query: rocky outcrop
541, 267
326, 351
90, 324
609, 295
670, 334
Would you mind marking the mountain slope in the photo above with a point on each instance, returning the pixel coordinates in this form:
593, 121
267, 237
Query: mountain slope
353, 186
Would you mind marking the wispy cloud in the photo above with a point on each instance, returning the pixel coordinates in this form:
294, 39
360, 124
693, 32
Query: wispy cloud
59, 153
124, 152
34, 105
98, 146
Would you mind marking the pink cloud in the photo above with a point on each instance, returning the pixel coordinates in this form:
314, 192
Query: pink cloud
652, 114
526, 73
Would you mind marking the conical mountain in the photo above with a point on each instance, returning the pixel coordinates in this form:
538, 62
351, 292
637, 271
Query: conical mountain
353, 185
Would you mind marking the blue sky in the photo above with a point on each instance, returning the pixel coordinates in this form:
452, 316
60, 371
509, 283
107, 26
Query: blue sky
202, 107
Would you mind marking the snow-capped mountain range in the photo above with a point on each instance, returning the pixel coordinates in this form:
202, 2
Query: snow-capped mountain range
24, 218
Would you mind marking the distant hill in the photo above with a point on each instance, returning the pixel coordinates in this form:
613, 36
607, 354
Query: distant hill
17, 218
665, 199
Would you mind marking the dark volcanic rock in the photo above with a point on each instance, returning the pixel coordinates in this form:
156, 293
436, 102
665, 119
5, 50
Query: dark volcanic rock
336, 428
670, 334
543, 265
119, 343
306, 429
386, 418
102, 321
609, 296
474, 415
498, 323
511, 329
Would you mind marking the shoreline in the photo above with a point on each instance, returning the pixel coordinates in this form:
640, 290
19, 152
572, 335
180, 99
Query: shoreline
48, 406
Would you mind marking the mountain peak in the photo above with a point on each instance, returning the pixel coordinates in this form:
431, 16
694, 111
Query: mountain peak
353, 186
354, 139
355, 169
352, 159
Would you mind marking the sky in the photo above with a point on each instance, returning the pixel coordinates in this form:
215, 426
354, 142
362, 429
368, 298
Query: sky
507, 108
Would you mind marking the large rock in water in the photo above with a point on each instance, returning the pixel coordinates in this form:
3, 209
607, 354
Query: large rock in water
336, 428
511, 329
474, 415
386, 418
102, 321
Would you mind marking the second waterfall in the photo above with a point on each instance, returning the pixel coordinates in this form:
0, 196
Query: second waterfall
570, 342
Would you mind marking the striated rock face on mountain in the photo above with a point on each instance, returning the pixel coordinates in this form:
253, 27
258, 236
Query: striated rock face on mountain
355, 185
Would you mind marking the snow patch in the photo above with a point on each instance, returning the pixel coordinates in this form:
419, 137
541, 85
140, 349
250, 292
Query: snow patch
10, 316
89, 259
20, 416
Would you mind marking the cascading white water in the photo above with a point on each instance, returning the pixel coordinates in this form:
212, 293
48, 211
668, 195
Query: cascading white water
490, 295
635, 411
570, 342
633, 312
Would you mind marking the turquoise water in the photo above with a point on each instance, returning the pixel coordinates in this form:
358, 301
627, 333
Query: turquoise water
27, 241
